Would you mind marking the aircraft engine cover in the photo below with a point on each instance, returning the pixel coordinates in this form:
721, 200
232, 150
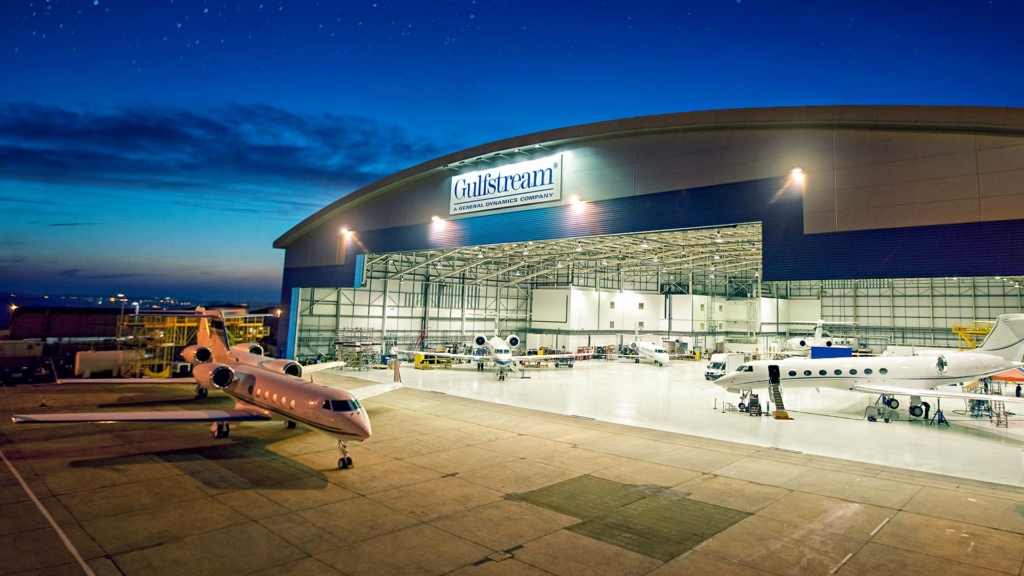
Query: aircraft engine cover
480, 339
213, 375
197, 354
289, 367
828, 343
248, 348
512, 340
803, 343
967, 365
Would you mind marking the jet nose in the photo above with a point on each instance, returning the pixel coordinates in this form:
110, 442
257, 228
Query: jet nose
359, 425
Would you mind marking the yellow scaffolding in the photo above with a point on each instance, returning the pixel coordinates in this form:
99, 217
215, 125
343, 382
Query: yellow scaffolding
970, 334
161, 338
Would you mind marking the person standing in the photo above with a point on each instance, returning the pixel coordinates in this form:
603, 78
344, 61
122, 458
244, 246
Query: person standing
1018, 390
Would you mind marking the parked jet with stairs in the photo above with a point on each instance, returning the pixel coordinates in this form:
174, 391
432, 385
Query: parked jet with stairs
914, 376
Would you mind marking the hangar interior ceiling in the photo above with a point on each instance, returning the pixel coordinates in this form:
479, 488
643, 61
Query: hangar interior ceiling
701, 285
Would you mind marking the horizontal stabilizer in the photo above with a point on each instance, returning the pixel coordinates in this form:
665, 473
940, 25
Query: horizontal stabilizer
929, 393
143, 416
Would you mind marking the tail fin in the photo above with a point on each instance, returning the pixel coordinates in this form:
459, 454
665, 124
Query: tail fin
1006, 339
213, 334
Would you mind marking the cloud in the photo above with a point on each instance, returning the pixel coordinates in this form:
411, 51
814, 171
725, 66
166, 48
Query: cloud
76, 274
236, 150
26, 200
60, 224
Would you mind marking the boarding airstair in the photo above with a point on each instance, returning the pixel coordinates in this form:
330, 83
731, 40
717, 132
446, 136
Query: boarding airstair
780, 409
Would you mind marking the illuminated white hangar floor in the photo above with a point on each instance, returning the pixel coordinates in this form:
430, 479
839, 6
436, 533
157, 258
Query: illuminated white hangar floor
677, 398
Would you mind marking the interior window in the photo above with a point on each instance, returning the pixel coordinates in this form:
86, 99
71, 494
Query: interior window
792, 372
883, 371
807, 372
854, 372
822, 372
868, 371
838, 372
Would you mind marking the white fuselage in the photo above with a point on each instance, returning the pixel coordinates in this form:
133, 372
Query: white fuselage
654, 352
922, 372
500, 352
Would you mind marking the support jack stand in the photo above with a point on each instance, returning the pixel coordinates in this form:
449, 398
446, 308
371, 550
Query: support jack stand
939, 419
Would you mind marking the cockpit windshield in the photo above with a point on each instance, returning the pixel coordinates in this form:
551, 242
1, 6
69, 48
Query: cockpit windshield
660, 351
501, 351
745, 368
342, 405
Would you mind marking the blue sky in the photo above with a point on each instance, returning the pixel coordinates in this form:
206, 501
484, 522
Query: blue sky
159, 147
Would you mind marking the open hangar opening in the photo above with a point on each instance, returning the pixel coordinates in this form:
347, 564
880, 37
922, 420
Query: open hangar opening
898, 225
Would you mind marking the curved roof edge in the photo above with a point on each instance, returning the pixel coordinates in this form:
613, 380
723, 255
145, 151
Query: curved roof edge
979, 119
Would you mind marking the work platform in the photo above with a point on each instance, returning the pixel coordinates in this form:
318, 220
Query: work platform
454, 485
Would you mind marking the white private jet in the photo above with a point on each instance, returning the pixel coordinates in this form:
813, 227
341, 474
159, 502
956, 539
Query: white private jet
801, 345
263, 389
913, 376
499, 353
649, 350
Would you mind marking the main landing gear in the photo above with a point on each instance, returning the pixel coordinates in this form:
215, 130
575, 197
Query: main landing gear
220, 430
345, 462
290, 425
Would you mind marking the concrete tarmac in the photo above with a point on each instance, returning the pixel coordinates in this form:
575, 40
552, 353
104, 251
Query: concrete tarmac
462, 486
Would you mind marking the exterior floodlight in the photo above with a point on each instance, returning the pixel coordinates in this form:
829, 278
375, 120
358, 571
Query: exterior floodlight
344, 231
479, 254
798, 175
578, 205
438, 221
14, 307
277, 312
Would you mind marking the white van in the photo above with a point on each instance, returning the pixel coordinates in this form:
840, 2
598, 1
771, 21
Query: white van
720, 364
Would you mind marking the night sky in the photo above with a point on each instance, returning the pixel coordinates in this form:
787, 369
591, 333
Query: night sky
159, 147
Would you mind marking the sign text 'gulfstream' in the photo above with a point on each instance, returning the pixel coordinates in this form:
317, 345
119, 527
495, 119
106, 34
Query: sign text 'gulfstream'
517, 184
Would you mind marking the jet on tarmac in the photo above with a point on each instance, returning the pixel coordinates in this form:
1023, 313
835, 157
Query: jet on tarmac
263, 388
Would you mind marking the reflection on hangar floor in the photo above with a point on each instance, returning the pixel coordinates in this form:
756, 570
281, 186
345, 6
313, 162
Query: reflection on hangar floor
678, 399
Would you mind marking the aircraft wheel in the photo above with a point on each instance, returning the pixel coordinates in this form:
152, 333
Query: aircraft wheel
345, 463
894, 403
202, 392
916, 411
290, 425
886, 420
742, 406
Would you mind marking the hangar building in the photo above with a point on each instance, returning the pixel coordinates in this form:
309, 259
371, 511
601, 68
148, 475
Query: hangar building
700, 227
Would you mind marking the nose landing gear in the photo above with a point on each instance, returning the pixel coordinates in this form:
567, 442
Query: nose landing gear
345, 462
220, 430
201, 392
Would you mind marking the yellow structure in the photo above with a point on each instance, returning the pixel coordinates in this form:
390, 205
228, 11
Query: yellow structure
162, 337
970, 334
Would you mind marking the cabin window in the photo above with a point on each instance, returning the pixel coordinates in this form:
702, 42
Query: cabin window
284, 401
611, 324
883, 371
639, 325
293, 404
807, 372
701, 307
611, 305
838, 372
640, 306
822, 373
868, 370
275, 397
259, 391
792, 372
853, 372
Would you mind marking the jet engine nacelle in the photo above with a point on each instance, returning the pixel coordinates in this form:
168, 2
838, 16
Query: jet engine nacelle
248, 348
288, 367
967, 365
196, 354
214, 376
480, 340
513, 340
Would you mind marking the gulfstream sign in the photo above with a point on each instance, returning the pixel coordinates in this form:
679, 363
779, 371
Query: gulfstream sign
518, 184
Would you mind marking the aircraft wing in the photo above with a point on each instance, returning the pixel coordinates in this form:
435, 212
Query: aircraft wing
188, 380
374, 390
550, 356
323, 366
445, 355
142, 416
930, 393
